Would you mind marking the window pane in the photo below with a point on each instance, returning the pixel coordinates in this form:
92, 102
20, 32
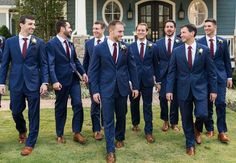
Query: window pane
143, 10
166, 11
160, 9
108, 17
148, 7
108, 8
116, 16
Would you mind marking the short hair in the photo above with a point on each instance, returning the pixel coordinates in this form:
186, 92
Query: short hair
170, 21
60, 23
24, 17
113, 23
103, 26
143, 24
211, 20
191, 28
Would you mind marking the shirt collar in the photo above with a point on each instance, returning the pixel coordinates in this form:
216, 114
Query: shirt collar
145, 42
102, 38
172, 37
21, 37
214, 38
193, 45
110, 42
61, 39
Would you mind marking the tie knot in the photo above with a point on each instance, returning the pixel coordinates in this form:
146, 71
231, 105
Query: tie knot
25, 39
190, 48
98, 41
142, 43
169, 39
65, 41
114, 44
211, 40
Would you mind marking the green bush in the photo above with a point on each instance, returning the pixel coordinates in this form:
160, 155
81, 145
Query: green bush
4, 31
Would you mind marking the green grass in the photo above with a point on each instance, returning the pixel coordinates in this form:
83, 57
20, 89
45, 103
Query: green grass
168, 147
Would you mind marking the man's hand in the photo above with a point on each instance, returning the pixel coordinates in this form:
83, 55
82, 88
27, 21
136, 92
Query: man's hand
169, 96
158, 87
97, 98
135, 93
2, 89
213, 97
229, 83
85, 78
43, 89
57, 86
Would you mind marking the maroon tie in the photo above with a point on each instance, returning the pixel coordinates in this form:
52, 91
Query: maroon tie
24, 47
190, 57
98, 41
142, 50
169, 46
67, 49
115, 52
211, 47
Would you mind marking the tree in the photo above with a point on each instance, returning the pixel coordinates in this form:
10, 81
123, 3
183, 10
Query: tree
4, 31
46, 13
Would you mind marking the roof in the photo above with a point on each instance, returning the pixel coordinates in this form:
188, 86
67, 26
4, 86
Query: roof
7, 2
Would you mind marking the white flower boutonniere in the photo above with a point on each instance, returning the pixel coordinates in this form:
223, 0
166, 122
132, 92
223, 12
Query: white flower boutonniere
149, 45
220, 41
200, 51
33, 41
123, 47
177, 41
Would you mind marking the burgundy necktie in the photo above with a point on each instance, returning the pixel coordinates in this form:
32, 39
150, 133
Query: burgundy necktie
24, 47
115, 52
211, 48
98, 41
169, 46
142, 50
190, 57
67, 49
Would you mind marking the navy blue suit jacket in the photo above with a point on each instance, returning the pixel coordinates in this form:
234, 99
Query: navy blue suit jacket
147, 67
195, 79
105, 74
31, 70
221, 59
61, 68
163, 62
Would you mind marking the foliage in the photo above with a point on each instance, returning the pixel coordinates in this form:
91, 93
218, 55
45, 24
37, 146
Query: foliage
46, 12
234, 78
4, 31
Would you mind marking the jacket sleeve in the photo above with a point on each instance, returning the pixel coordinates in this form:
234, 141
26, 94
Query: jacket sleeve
227, 61
171, 76
43, 63
6, 58
86, 58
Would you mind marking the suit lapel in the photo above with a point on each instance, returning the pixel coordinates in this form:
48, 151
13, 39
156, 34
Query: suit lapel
196, 55
107, 51
58, 42
18, 46
185, 59
136, 52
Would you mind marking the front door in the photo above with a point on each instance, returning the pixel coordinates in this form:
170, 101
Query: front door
154, 13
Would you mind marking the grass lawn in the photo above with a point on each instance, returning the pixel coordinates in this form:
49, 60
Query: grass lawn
168, 147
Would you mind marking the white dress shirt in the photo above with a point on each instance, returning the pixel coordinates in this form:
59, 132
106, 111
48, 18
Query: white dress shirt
172, 42
139, 46
95, 40
111, 47
194, 46
21, 41
214, 42
63, 44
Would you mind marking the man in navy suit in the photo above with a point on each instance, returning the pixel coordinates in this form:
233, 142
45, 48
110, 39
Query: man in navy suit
146, 62
221, 57
28, 79
111, 69
98, 33
193, 69
165, 48
65, 70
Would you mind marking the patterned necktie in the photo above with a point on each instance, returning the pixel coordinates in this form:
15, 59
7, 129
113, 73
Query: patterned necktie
98, 41
67, 49
169, 46
211, 47
114, 52
24, 47
142, 50
190, 57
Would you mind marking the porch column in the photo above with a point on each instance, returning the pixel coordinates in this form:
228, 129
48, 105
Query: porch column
80, 17
94, 10
215, 9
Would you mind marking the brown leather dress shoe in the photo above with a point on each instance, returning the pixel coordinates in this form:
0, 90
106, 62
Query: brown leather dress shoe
190, 151
197, 135
165, 126
111, 158
119, 144
26, 151
22, 138
210, 134
136, 128
98, 135
61, 140
175, 128
223, 138
149, 138
79, 138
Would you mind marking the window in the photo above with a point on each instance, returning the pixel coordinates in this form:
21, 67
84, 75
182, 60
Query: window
197, 12
112, 10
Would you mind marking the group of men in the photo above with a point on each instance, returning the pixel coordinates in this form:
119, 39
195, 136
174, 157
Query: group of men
184, 71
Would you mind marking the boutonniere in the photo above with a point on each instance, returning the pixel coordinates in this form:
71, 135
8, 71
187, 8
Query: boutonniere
177, 41
33, 40
200, 51
149, 45
220, 41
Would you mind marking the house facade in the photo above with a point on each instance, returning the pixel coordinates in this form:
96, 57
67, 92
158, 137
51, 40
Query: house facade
82, 14
6, 14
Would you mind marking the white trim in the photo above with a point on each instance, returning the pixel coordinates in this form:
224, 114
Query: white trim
142, 1
104, 6
7, 6
204, 4
95, 10
215, 9
80, 17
